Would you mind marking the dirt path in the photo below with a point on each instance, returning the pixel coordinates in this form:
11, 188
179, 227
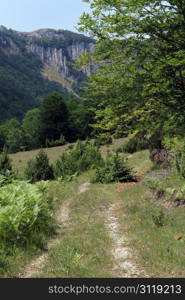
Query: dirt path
83, 188
123, 267
122, 254
35, 266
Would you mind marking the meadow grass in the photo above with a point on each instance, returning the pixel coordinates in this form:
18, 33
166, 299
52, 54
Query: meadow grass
20, 159
84, 249
140, 162
156, 238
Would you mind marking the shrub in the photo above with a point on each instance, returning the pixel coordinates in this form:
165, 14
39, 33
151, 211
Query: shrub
5, 163
121, 131
114, 170
176, 149
152, 182
60, 142
8, 178
134, 144
39, 168
67, 178
103, 139
82, 157
70, 147
26, 214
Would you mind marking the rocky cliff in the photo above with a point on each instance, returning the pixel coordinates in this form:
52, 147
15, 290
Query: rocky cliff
57, 50
43, 61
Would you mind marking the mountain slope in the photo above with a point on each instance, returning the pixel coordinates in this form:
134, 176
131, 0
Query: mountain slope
35, 64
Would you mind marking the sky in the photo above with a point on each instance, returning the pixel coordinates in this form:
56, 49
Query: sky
30, 15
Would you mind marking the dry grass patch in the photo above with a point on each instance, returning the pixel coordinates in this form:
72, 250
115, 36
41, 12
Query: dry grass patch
140, 162
20, 159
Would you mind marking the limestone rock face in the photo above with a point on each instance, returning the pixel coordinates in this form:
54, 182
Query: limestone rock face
59, 58
57, 50
51, 56
35, 64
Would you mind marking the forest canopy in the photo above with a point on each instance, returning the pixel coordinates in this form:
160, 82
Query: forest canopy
140, 82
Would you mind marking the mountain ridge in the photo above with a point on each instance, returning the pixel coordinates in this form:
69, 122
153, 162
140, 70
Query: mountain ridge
33, 64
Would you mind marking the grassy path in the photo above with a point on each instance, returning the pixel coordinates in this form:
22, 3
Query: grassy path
113, 230
90, 242
34, 267
82, 250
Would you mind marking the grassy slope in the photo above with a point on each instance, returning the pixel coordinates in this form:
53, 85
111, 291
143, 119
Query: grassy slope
84, 247
20, 159
157, 247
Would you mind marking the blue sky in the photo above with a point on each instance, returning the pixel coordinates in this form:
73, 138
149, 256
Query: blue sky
29, 15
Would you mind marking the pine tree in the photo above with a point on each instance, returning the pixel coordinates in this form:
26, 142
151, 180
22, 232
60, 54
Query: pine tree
39, 168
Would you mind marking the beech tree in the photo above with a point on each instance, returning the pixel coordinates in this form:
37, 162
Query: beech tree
140, 53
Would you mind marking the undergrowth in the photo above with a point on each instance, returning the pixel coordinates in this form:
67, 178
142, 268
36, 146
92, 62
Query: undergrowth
82, 157
26, 218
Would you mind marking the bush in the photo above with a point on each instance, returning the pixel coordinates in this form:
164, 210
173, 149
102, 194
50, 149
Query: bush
26, 214
121, 131
5, 163
82, 157
152, 182
39, 168
176, 152
103, 139
70, 147
10, 177
114, 170
60, 142
134, 144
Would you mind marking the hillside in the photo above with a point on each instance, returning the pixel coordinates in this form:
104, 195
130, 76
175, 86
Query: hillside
94, 187
106, 230
35, 64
